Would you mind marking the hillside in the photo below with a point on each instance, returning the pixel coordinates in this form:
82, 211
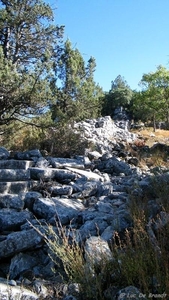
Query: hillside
90, 226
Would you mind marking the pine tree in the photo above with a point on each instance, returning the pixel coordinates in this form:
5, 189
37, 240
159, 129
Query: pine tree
29, 47
78, 96
152, 102
120, 94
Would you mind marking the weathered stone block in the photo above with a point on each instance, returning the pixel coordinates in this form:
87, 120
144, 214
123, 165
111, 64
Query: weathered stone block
15, 164
11, 219
20, 241
14, 175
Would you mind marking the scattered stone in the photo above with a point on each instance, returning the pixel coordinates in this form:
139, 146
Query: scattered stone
14, 175
61, 163
15, 164
130, 292
49, 174
11, 219
14, 187
20, 263
133, 161
53, 209
114, 166
97, 249
108, 234
19, 241
11, 201
4, 153
40, 289
42, 163
88, 196
13, 292
103, 131
61, 190
28, 155
93, 227
89, 175
29, 199
94, 155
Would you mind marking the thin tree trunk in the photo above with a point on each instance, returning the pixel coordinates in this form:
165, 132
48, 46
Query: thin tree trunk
167, 116
154, 123
6, 42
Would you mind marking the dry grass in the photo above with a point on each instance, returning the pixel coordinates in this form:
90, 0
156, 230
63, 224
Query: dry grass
158, 133
157, 157
150, 137
135, 259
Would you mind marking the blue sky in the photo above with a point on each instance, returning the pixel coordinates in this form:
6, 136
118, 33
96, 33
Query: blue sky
126, 37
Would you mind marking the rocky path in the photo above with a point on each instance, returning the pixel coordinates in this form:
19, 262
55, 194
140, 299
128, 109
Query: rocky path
89, 194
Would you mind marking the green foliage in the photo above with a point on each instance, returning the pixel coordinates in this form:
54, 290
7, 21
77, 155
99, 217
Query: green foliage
152, 102
78, 96
120, 94
61, 141
20, 137
27, 32
50, 138
28, 49
160, 185
21, 93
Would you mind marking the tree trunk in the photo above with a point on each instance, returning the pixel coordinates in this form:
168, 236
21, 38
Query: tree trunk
167, 116
154, 123
6, 42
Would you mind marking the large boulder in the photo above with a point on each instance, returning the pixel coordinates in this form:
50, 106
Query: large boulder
11, 201
97, 250
54, 209
20, 241
114, 166
20, 263
10, 219
93, 227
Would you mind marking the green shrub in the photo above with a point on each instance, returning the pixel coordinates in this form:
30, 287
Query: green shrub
57, 141
63, 141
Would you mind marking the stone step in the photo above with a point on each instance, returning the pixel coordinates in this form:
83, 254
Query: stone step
14, 187
47, 174
15, 164
11, 201
14, 175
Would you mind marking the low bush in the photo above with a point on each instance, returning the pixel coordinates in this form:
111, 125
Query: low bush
57, 141
63, 141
